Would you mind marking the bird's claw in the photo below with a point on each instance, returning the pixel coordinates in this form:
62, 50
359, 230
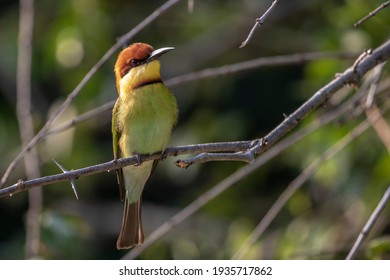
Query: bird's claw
138, 159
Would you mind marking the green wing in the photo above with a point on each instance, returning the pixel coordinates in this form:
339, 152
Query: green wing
116, 134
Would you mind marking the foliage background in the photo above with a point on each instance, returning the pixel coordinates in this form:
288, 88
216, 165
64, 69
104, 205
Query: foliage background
321, 221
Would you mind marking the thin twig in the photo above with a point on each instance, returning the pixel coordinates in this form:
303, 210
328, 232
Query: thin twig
120, 43
295, 185
373, 13
190, 6
259, 22
256, 63
211, 73
380, 125
26, 126
369, 225
81, 118
374, 84
372, 112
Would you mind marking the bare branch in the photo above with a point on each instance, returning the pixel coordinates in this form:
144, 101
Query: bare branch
120, 43
214, 72
26, 126
259, 22
352, 75
295, 185
380, 125
256, 63
190, 6
374, 84
81, 118
369, 225
372, 112
373, 13
115, 164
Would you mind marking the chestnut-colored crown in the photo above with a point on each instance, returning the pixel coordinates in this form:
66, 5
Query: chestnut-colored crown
132, 56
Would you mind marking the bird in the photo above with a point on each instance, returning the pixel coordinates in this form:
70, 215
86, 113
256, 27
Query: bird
143, 117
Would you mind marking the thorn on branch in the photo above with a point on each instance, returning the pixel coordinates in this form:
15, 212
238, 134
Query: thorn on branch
73, 184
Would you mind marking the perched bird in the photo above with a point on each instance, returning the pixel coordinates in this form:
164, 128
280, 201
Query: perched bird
142, 120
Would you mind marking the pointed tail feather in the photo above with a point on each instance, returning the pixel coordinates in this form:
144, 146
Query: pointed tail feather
131, 232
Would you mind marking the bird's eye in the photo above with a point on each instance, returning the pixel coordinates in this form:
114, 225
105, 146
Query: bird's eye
134, 62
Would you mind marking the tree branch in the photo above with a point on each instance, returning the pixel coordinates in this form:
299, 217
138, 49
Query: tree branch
120, 43
296, 184
370, 223
352, 75
256, 63
26, 126
115, 164
81, 118
373, 13
259, 22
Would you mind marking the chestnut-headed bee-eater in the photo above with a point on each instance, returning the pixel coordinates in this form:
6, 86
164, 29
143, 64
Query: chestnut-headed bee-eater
142, 121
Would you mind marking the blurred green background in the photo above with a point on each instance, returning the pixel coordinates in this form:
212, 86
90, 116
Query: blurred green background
321, 221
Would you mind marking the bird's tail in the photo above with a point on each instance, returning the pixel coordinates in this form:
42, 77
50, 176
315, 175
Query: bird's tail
131, 232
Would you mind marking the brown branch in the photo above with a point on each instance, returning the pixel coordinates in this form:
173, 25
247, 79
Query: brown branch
373, 13
259, 22
26, 126
120, 43
380, 125
369, 225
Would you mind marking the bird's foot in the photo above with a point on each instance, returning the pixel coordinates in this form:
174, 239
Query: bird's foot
138, 159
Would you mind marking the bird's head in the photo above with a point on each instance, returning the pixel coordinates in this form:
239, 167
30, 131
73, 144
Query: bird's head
138, 65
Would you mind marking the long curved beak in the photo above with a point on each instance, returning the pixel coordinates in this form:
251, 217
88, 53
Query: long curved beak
159, 52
